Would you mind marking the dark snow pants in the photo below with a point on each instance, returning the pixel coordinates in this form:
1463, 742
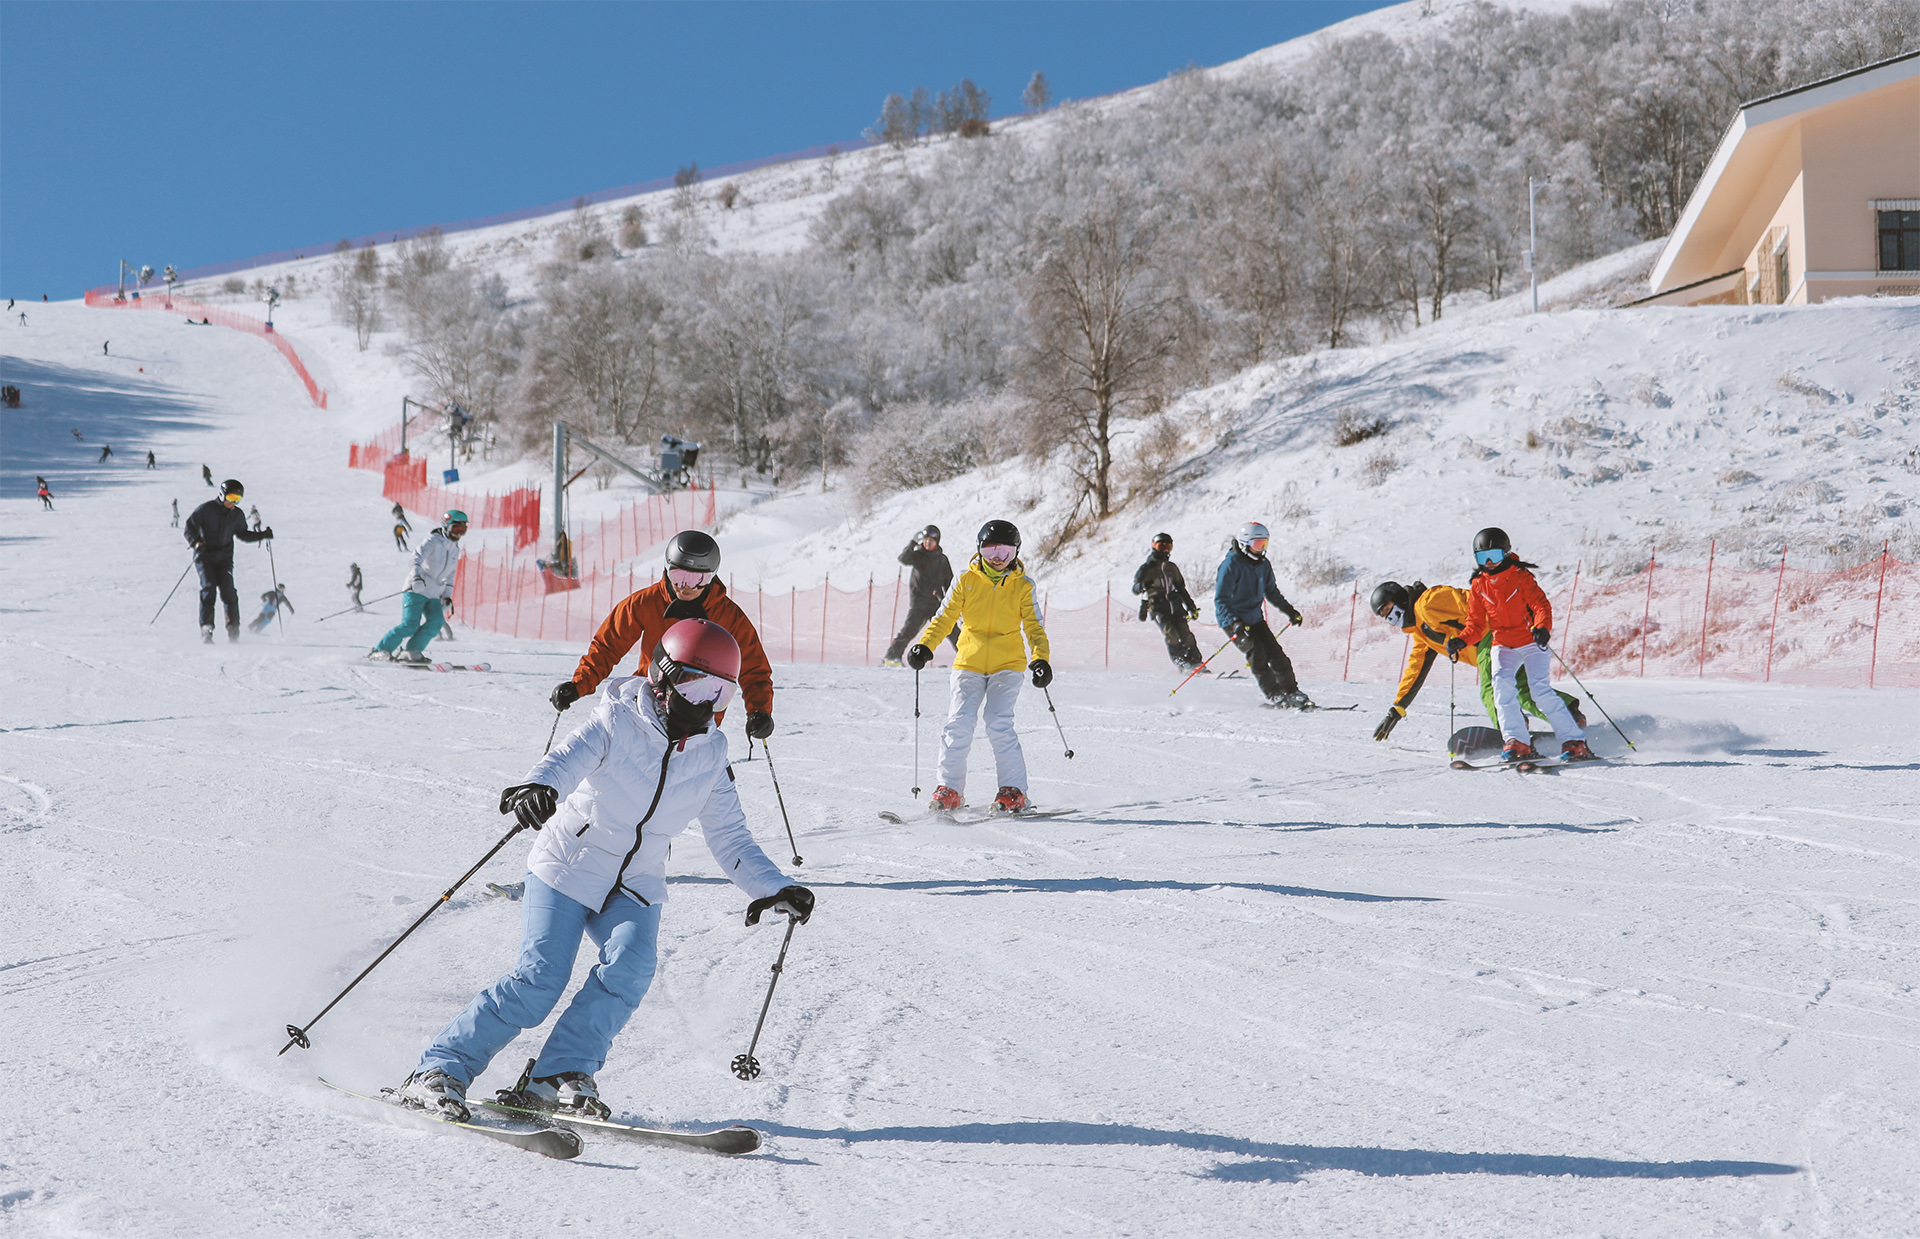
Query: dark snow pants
217, 577
1179, 638
1271, 667
918, 613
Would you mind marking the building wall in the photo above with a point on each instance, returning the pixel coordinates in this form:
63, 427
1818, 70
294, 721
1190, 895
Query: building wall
1854, 151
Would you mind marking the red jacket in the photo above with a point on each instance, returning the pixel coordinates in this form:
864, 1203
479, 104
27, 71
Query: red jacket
643, 617
1508, 601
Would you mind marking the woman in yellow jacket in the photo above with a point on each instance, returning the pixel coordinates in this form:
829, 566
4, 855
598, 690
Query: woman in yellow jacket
993, 602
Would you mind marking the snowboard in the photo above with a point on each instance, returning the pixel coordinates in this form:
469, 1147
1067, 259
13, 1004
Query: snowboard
552, 1142
732, 1141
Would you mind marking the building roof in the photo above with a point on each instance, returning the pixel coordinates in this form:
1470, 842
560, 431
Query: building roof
1744, 155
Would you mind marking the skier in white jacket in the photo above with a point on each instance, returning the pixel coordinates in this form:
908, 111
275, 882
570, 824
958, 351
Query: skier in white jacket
611, 797
429, 594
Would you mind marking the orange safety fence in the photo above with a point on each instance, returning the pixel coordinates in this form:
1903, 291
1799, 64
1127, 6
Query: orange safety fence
109, 299
518, 510
602, 545
1855, 627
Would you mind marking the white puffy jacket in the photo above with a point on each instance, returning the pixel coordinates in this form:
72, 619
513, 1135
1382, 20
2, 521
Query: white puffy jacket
626, 792
434, 565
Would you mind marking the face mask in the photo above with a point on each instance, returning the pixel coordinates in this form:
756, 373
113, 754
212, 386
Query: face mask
1397, 617
684, 718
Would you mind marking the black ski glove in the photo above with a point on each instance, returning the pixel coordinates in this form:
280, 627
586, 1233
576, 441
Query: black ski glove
759, 726
565, 695
1454, 646
1144, 605
1042, 673
530, 803
266, 535
1541, 636
1387, 724
795, 901
1298, 620
919, 656
1193, 612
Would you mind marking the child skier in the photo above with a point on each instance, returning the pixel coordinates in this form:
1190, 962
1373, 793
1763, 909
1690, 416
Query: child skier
270, 604
1165, 598
1507, 602
993, 603
46, 498
1243, 582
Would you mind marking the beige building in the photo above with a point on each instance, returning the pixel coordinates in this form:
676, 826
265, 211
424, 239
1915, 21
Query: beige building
1814, 193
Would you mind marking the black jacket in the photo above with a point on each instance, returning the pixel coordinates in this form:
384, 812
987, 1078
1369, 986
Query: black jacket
1160, 580
213, 527
932, 575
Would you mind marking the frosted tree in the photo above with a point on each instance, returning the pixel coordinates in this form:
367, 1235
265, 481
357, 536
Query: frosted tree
1037, 94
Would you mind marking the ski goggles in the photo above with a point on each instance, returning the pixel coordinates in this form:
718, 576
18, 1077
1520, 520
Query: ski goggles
231, 498
700, 687
687, 578
1489, 557
1258, 546
998, 553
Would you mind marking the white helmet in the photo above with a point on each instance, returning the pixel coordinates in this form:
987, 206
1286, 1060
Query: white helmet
1250, 532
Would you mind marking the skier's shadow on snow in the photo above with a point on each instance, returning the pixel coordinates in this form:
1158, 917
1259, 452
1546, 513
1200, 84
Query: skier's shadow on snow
1286, 1163
1073, 886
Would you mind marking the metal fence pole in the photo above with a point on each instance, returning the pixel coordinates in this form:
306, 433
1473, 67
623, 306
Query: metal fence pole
1706, 607
1886, 551
1646, 617
1353, 609
1779, 582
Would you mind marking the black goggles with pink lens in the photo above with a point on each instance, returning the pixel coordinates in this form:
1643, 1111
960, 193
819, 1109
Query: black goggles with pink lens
697, 686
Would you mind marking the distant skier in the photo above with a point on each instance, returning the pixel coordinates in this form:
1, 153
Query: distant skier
688, 588
1507, 602
151, 462
253, 515
926, 588
1003, 643
1244, 579
270, 604
78, 437
353, 586
614, 794
1165, 598
176, 514
428, 593
400, 536
211, 530
400, 518
103, 347
106, 451
46, 496
205, 472
1429, 614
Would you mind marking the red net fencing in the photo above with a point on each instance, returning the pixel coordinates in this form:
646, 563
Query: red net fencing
109, 299
518, 510
603, 545
1855, 627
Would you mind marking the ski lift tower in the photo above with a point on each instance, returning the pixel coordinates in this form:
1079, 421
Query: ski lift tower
564, 436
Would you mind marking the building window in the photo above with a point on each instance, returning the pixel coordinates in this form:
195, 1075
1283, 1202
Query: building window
1899, 240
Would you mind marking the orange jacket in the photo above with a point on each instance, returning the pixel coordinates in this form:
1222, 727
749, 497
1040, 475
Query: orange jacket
643, 617
1509, 602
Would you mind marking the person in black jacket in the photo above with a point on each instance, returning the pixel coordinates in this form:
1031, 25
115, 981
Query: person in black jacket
926, 590
1164, 596
211, 531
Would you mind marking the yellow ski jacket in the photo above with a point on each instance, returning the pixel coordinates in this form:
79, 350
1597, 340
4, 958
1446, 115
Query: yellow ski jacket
1438, 613
992, 616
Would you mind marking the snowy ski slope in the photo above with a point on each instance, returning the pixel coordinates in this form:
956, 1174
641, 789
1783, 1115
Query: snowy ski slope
1271, 978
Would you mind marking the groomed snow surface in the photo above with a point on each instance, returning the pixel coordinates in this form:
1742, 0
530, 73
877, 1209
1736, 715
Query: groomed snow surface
1269, 978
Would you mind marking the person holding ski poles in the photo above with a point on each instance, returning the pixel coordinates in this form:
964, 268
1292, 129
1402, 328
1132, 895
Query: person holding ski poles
1429, 614
926, 589
1166, 599
210, 531
1243, 581
354, 586
429, 592
993, 602
1506, 602
270, 604
612, 795
46, 498
689, 588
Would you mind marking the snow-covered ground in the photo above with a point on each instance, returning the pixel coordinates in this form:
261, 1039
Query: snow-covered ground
1269, 978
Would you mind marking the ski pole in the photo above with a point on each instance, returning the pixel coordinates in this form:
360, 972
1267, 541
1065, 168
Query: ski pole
553, 731
1453, 677
276, 587
780, 798
1056, 720
746, 1066
916, 731
172, 592
382, 598
1590, 697
297, 1033
1203, 665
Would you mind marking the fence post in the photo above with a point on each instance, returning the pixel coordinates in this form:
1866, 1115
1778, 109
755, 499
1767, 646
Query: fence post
793, 621
1353, 610
1775, 626
826, 593
893, 625
1106, 657
566, 613
866, 659
1573, 596
1886, 551
1646, 616
1704, 606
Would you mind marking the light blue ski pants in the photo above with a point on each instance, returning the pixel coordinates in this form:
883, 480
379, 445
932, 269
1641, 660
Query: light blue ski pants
627, 934
420, 618
998, 693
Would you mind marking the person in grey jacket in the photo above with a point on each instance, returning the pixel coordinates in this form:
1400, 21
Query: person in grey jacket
1243, 583
429, 593
611, 798
1164, 596
926, 590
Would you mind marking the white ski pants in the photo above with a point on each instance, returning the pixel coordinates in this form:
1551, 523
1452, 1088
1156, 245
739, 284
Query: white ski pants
1508, 659
998, 691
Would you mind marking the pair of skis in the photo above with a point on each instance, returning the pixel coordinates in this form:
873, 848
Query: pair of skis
1479, 748
960, 818
558, 1135
446, 666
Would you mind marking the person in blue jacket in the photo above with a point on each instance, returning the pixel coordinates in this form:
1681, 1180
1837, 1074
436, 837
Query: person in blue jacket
1244, 581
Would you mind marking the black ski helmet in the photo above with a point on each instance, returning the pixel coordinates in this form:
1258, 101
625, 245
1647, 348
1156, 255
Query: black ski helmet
1491, 539
694, 551
232, 487
1162, 539
1388, 595
999, 533
931, 531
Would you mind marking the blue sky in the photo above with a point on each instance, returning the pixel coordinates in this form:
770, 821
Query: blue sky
194, 133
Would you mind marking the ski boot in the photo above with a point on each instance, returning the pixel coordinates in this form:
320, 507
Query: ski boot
1010, 800
436, 1092
417, 657
1579, 718
375, 655
206, 634
1516, 751
233, 634
1577, 750
945, 799
569, 1092
891, 662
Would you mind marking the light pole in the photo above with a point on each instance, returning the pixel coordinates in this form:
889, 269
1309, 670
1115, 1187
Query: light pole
272, 299
172, 277
1533, 238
